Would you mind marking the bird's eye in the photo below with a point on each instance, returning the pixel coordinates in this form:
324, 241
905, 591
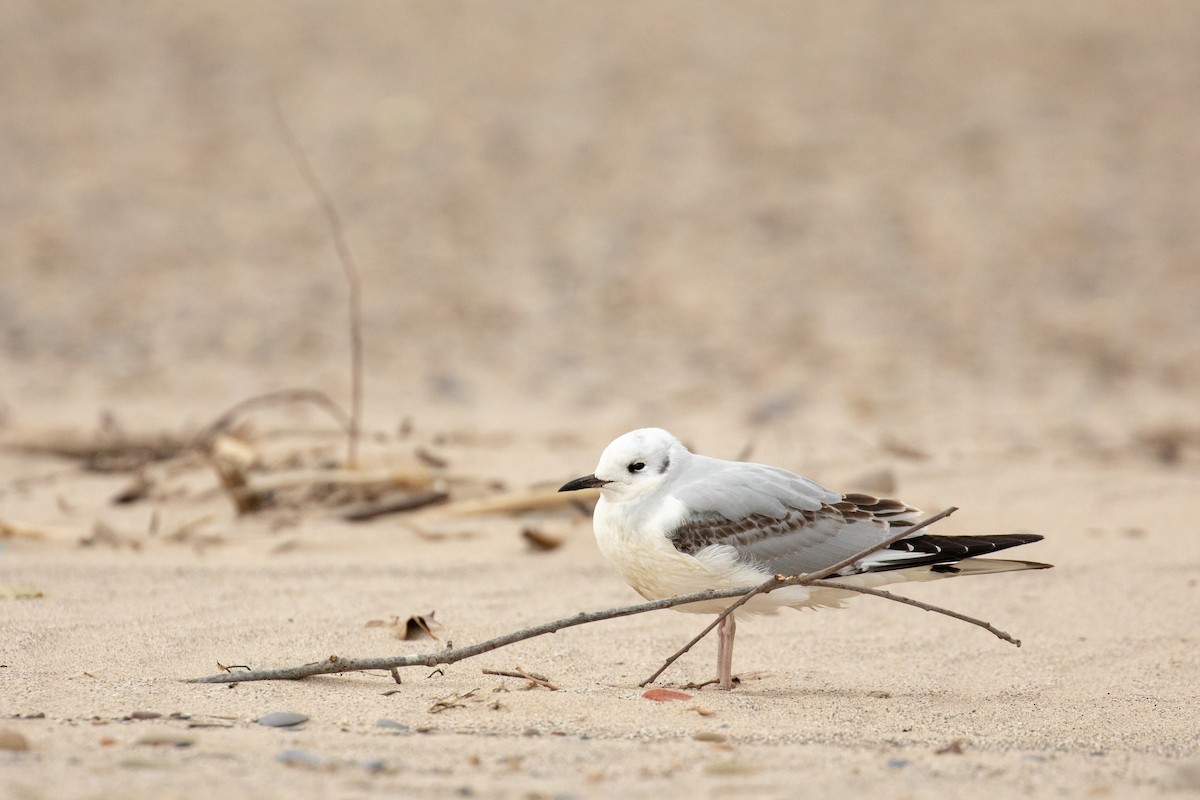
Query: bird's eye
637, 466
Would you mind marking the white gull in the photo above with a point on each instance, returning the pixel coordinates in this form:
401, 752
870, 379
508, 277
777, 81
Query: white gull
674, 523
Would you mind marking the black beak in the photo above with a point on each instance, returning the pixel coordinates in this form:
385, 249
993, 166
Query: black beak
586, 482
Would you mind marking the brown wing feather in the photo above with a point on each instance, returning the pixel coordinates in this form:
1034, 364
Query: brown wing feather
802, 540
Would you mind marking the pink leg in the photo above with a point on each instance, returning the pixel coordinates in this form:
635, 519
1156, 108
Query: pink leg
726, 628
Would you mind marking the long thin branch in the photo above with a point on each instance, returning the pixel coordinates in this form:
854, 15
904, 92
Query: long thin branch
335, 664
908, 601
349, 269
278, 397
779, 581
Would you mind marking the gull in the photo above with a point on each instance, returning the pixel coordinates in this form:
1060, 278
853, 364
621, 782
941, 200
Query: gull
672, 523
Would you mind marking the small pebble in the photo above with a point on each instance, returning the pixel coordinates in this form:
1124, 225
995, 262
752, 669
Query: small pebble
898, 763
282, 719
531, 732
11, 740
168, 738
374, 766
145, 715
392, 725
298, 758
709, 736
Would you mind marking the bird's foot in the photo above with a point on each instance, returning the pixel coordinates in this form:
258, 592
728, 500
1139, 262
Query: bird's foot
734, 681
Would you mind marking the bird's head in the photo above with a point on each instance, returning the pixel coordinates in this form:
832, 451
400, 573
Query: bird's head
633, 465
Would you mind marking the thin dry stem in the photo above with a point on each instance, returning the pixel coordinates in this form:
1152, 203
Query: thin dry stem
275, 398
349, 269
451, 655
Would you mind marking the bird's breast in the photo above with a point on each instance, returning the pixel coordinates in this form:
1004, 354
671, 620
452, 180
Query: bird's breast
641, 552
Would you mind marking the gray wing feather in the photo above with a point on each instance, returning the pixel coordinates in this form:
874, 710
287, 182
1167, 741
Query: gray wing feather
802, 541
734, 490
777, 520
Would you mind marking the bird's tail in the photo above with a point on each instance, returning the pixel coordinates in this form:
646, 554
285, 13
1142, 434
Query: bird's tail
926, 572
982, 566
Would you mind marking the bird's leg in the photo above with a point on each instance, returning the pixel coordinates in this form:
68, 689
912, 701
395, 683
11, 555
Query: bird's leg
726, 628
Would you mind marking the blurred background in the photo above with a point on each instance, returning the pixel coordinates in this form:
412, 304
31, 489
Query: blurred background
970, 226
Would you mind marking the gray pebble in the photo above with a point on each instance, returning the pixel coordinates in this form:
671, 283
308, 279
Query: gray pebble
298, 758
375, 765
898, 763
167, 737
282, 719
392, 725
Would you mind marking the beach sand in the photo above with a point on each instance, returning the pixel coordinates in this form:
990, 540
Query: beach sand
936, 251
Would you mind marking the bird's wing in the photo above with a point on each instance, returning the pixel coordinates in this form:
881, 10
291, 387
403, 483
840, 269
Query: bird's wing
786, 524
775, 519
803, 540
735, 490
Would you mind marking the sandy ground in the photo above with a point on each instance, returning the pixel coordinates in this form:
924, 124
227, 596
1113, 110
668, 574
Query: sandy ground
950, 246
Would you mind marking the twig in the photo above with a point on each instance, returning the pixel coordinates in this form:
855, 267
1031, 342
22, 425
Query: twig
349, 269
106, 451
335, 664
396, 505
533, 678
779, 581
908, 601
275, 398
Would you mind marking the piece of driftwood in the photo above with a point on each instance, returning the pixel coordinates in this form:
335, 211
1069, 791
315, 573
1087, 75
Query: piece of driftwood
336, 664
410, 501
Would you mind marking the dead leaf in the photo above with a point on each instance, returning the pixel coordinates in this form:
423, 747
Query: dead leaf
540, 540
416, 627
451, 701
663, 695
955, 748
139, 489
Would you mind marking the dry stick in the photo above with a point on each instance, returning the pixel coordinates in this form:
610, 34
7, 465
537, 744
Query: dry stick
908, 601
335, 664
532, 677
349, 269
779, 581
278, 397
